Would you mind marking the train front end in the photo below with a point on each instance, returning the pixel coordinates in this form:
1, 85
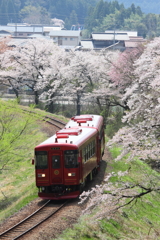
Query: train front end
57, 168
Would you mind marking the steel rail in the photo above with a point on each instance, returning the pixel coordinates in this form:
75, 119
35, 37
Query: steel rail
50, 119
47, 119
12, 230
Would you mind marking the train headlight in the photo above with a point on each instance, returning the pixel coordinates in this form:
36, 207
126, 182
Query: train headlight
71, 174
41, 174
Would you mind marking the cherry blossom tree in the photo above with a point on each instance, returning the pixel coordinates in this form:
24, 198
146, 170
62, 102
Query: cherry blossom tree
140, 139
30, 65
106, 94
120, 74
122, 70
110, 197
142, 136
78, 74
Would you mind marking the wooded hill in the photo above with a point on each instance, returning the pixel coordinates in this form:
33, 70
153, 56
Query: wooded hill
146, 6
92, 15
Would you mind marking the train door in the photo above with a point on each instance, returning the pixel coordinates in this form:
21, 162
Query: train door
56, 168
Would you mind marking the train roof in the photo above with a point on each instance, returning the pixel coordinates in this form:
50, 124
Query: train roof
73, 136
92, 121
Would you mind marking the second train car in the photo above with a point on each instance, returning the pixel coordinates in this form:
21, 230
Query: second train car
66, 160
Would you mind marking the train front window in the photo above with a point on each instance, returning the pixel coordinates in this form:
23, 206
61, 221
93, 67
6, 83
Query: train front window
71, 158
55, 161
41, 160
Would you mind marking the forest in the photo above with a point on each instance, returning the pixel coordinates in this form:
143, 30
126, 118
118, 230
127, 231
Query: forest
91, 16
146, 6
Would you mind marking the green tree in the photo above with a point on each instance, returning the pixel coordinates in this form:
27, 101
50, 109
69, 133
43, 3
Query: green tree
150, 21
67, 24
44, 16
90, 20
142, 30
158, 25
4, 18
109, 23
133, 8
32, 14
133, 22
99, 10
8, 11
73, 18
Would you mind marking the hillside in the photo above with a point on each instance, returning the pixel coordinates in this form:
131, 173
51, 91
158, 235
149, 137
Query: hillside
146, 6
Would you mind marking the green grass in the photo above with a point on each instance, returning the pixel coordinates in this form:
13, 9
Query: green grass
115, 151
17, 180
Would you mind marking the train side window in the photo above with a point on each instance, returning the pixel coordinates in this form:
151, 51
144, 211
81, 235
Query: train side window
71, 158
94, 147
41, 160
85, 154
91, 149
89, 154
55, 161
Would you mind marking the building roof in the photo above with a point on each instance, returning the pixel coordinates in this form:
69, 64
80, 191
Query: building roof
39, 36
129, 33
4, 33
138, 39
110, 36
132, 43
87, 44
49, 29
65, 33
21, 29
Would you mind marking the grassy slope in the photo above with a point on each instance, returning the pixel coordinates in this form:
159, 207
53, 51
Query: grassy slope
139, 221
17, 182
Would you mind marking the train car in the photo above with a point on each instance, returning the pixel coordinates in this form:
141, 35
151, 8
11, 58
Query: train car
66, 160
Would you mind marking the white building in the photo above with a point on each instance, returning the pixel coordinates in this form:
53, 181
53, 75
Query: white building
66, 38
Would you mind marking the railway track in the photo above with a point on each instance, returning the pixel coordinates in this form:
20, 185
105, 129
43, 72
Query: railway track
53, 121
32, 221
48, 119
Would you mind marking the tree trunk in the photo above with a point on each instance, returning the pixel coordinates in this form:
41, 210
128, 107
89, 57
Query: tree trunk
78, 101
17, 94
36, 95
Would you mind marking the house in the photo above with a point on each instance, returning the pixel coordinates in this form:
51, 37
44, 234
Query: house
117, 40
22, 30
66, 38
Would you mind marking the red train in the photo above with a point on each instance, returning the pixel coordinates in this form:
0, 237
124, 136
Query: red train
66, 160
